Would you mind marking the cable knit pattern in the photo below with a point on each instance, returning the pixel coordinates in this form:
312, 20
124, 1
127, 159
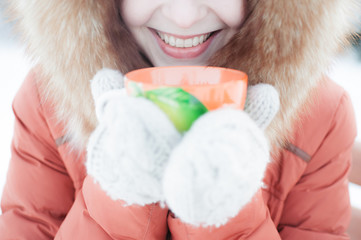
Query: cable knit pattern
130, 147
262, 104
106, 80
220, 163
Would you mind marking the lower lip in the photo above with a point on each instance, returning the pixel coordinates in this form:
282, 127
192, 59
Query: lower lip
184, 53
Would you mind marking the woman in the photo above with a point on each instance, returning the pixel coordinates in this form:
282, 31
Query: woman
287, 44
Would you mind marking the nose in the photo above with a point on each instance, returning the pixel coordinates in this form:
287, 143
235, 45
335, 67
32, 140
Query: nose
184, 13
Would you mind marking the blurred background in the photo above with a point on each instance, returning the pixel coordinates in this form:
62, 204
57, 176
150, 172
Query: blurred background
14, 66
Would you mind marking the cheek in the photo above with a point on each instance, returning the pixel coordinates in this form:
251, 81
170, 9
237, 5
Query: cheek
232, 12
138, 12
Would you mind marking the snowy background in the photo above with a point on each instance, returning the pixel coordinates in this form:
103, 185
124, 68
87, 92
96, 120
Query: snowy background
14, 67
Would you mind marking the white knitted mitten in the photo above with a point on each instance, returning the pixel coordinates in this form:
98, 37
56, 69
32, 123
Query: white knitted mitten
220, 163
129, 148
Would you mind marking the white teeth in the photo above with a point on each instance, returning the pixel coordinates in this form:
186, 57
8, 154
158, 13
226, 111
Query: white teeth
172, 41
201, 39
188, 42
161, 36
195, 41
183, 43
179, 42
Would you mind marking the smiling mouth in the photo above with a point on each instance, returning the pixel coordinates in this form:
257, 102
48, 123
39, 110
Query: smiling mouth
184, 42
184, 47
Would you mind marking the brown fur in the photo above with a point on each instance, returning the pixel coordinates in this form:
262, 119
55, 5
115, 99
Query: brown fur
287, 43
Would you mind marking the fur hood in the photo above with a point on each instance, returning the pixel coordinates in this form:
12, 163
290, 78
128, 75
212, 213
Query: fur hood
287, 43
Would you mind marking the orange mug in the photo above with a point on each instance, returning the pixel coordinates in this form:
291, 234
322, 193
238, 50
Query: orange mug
186, 92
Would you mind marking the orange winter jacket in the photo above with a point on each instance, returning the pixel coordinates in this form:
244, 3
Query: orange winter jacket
49, 195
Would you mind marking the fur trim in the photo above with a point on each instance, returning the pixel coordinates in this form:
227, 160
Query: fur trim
70, 41
288, 44
285, 43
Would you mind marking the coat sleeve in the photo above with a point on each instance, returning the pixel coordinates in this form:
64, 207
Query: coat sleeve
318, 206
253, 222
38, 191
